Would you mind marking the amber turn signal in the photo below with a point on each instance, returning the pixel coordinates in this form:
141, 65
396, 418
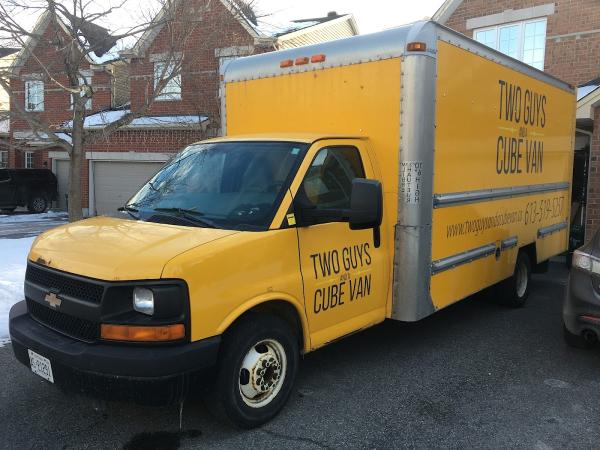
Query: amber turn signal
302, 60
142, 333
416, 46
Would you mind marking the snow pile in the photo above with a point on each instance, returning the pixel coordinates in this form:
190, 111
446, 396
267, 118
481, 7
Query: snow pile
12, 218
13, 261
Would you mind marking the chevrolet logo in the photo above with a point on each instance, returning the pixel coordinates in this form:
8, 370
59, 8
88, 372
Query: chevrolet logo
52, 299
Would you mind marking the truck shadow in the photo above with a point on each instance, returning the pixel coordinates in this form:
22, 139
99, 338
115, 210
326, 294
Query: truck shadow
475, 342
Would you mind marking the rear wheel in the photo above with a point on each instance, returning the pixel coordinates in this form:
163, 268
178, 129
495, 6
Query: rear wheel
514, 291
37, 204
575, 340
257, 368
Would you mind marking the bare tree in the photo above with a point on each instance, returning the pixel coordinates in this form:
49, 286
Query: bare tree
79, 36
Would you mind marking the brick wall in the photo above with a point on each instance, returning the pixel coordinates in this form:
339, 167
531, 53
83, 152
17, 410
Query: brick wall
57, 102
593, 206
574, 59
216, 28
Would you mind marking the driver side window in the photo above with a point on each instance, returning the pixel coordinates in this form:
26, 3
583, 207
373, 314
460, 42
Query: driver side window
328, 181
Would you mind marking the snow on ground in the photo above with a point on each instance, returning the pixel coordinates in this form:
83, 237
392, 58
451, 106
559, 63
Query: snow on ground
12, 218
13, 261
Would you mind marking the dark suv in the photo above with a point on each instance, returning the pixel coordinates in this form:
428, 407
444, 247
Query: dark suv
34, 188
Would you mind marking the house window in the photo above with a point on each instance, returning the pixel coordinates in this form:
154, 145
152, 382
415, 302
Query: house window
29, 160
172, 90
34, 95
525, 41
83, 81
3, 159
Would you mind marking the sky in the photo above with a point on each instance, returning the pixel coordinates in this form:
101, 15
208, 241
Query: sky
371, 15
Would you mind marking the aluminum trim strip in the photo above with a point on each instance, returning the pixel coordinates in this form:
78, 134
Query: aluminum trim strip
460, 198
453, 261
546, 231
509, 243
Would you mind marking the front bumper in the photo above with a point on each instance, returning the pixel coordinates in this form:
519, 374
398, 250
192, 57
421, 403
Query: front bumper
582, 303
149, 374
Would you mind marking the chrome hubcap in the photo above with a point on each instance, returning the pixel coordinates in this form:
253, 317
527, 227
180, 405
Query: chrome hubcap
262, 373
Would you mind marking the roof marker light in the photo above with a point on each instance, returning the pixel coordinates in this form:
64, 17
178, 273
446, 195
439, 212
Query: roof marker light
317, 58
302, 60
286, 63
416, 47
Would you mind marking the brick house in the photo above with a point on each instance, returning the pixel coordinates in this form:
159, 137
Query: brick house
563, 39
186, 111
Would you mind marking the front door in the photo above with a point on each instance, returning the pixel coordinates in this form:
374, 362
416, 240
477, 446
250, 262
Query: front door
344, 274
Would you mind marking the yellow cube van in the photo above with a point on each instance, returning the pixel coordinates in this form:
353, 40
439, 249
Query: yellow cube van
384, 176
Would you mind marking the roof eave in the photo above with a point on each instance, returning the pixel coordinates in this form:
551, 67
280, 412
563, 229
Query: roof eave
446, 10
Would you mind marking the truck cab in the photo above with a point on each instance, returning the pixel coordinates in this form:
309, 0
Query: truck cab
272, 241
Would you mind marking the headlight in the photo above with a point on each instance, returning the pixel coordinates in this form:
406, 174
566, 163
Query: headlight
586, 262
143, 300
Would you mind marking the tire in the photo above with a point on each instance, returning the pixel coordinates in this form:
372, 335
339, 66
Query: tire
254, 350
37, 204
575, 340
7, 210
514, 291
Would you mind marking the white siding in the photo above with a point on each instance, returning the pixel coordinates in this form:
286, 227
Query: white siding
339, 30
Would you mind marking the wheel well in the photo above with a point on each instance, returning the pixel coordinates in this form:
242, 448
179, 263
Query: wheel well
281, 309
531, 251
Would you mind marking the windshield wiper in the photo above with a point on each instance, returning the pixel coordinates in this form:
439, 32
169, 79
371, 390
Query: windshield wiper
130, 210
190, 215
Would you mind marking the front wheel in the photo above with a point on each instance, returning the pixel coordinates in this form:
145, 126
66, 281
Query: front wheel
514, 291
257, 369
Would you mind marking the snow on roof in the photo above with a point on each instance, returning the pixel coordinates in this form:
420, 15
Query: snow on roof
584, 91
104, 118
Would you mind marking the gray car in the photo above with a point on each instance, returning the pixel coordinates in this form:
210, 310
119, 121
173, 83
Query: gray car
581, 310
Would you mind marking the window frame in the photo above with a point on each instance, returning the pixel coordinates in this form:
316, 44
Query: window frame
29, 160
166, 96
39, 105
3, 159
521, 37
316, 154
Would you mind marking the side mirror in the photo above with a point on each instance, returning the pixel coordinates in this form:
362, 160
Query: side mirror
366, 204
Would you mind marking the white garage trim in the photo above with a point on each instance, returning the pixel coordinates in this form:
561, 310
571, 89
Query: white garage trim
128, 156
58, 155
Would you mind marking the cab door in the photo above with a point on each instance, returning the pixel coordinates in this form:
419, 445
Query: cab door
344, 273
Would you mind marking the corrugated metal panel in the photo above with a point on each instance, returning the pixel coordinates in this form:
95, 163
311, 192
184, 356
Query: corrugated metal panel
337, 31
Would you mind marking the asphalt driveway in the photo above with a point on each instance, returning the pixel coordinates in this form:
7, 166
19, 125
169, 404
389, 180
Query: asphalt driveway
475, 375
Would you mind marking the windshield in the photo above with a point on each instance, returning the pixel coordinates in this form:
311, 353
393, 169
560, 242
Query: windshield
234, 185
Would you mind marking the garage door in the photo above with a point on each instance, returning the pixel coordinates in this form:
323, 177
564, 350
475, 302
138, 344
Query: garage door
62, 175
116, 182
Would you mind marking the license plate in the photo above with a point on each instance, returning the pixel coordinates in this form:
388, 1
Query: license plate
41, 366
